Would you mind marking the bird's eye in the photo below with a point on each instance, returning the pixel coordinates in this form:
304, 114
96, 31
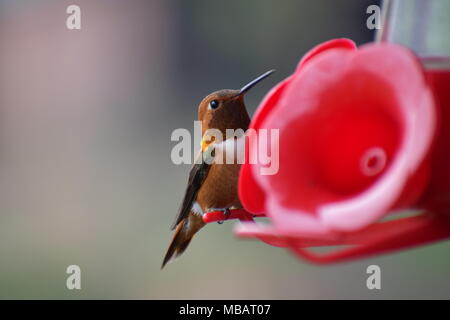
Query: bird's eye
213, 104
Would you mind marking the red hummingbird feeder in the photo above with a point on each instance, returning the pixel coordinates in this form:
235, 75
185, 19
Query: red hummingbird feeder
363, 140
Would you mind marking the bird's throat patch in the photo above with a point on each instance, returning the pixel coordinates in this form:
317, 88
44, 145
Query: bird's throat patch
204, 144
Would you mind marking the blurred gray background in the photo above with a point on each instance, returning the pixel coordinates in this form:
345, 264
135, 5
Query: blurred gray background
86, 176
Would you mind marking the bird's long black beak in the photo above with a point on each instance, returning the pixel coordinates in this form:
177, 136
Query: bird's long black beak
252, 83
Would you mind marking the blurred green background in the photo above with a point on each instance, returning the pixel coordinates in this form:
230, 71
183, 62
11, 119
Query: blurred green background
86, 175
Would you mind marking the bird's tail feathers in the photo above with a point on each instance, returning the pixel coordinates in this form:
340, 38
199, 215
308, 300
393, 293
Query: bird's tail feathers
180, 241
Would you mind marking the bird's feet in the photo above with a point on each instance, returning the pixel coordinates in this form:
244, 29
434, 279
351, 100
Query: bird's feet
226, 213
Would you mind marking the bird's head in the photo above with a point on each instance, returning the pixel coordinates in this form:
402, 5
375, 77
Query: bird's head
225, 109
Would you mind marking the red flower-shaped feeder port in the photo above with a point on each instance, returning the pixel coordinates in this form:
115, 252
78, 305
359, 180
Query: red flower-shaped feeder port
358, 141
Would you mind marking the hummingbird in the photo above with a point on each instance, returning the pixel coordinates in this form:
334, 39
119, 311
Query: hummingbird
212, 186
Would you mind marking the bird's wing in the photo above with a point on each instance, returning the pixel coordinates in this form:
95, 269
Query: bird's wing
197, 175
